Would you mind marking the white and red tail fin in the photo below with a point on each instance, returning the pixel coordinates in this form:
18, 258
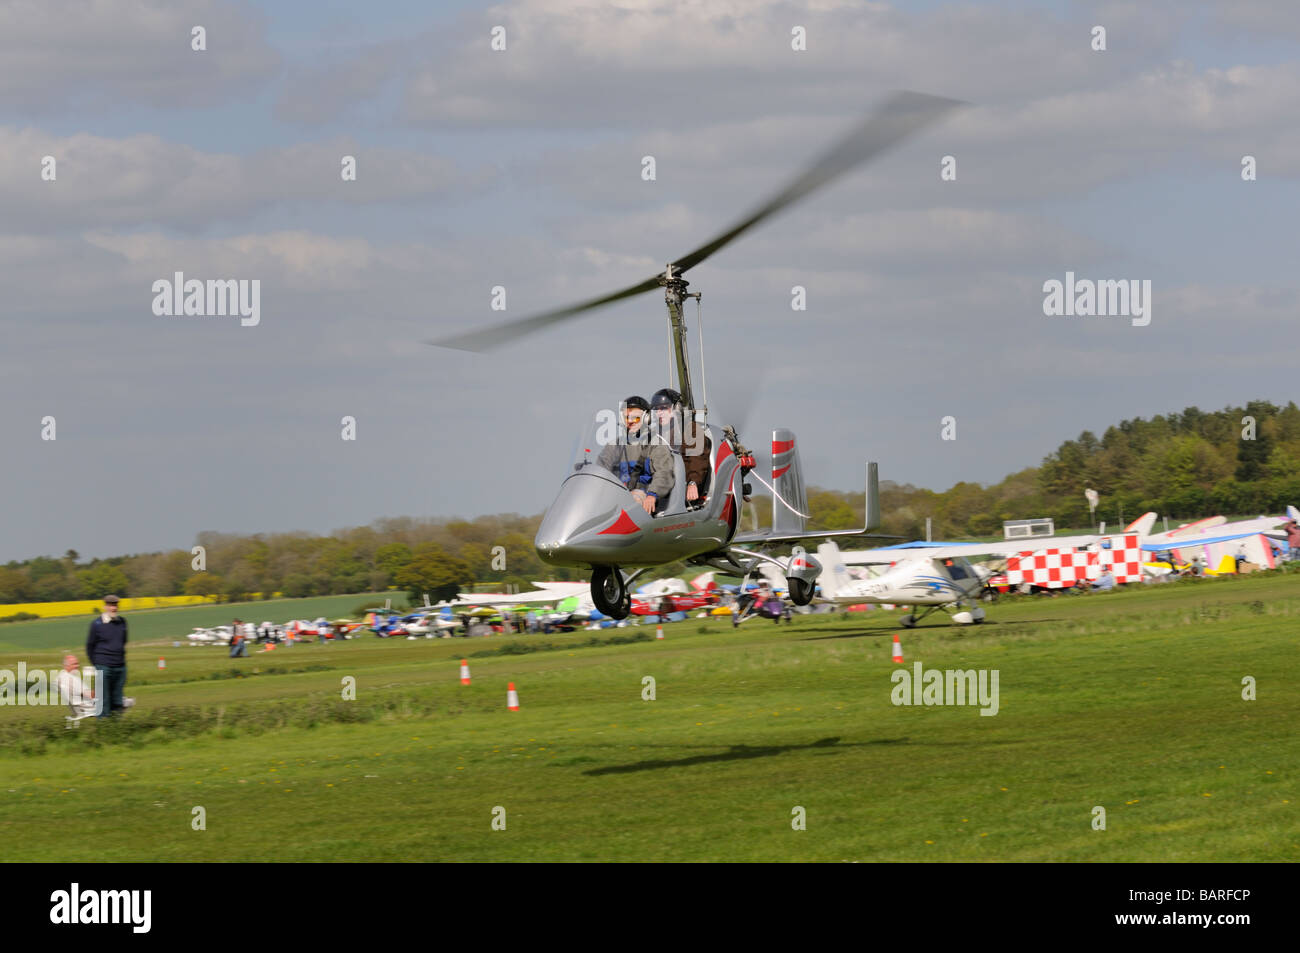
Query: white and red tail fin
1142, 525
835, 578
790, 501
704, 582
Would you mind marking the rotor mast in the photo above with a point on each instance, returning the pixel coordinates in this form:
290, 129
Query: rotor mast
675, 294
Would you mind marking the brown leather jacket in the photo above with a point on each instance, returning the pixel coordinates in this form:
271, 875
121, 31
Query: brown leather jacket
697, 462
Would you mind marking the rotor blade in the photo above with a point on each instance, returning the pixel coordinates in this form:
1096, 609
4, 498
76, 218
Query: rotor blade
900, 116
903, 114
498, 334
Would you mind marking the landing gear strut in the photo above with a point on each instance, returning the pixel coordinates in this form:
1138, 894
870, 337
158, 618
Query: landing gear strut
975, 615
609, 592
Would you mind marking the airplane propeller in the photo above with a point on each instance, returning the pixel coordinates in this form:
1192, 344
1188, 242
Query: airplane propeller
900, 116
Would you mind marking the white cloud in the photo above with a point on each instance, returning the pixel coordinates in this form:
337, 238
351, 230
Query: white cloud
56, 54
143, 179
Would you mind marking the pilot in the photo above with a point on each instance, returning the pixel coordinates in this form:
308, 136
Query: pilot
644, 466
667, 405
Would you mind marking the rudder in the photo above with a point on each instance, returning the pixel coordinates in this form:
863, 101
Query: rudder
790, 501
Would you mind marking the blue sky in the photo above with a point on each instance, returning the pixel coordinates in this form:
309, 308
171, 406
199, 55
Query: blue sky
520, 168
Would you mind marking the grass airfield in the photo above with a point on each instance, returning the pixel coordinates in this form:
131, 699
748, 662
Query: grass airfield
1131, 701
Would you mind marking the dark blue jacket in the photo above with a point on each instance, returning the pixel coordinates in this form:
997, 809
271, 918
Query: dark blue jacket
106, 643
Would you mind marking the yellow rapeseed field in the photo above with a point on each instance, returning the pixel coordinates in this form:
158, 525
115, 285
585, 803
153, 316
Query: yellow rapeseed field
54, 610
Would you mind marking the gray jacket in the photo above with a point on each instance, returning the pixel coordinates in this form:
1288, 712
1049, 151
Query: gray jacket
639, 465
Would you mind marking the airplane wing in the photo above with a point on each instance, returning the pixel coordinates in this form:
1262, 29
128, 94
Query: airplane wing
1191, 542
1157, 543
923, 550
548, 596
1192, 535
569, 588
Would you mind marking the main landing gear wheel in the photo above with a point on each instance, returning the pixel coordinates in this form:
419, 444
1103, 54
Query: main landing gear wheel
609, 592
801, 592
908, 621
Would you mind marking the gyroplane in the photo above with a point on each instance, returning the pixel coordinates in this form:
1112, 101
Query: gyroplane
600, 519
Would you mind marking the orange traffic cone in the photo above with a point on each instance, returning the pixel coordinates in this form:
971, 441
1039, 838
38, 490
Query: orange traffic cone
512, 698
464, 671
659, 632
898, 649
162, 663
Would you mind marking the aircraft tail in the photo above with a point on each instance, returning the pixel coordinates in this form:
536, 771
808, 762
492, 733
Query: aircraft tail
790, 501
835, 576
703, 582
1142, 525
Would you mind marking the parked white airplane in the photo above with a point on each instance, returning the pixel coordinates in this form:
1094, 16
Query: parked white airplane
217, 635
915, 578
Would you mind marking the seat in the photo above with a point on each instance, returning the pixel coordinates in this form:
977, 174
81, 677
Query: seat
677, 498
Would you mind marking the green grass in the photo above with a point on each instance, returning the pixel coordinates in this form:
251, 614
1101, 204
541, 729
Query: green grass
165, 625
1129, 700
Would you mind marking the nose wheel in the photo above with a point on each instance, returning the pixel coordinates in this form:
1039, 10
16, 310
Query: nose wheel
609, 592
801, 593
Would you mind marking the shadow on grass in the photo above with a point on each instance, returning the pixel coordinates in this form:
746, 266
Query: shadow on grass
928, 627
736, 753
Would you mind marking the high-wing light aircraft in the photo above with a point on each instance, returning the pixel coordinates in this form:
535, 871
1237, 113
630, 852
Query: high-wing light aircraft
931, 576
596, 522
912, 579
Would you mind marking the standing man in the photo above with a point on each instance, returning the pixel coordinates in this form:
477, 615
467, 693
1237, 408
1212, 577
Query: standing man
238, 640
1292, 539
106, 649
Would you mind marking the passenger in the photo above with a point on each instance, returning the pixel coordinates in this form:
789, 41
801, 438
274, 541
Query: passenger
688, 439
643, 465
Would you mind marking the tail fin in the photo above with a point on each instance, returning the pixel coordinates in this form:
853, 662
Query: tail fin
835, 576
790, 501
1142, 525
703, 582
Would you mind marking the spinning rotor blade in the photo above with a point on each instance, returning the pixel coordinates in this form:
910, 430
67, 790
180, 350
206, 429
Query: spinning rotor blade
500, 334
901, 115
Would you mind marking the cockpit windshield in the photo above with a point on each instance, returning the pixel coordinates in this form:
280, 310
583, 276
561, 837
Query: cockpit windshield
615, 442
643, 451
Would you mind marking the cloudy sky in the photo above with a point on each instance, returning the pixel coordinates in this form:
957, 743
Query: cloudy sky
522, 168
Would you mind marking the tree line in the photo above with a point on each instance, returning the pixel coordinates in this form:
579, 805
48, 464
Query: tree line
1237, 461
